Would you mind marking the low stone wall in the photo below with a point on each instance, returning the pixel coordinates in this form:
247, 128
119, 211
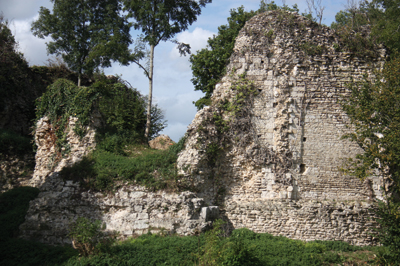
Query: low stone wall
306, 220
130, 210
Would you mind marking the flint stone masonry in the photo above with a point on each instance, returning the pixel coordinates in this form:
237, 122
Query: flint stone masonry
131, 210
276, 170
290, 148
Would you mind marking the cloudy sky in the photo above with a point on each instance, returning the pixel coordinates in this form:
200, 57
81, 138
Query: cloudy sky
173, 90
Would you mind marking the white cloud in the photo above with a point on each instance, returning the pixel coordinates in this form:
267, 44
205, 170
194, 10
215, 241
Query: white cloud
33, 48
197, 38
22, 9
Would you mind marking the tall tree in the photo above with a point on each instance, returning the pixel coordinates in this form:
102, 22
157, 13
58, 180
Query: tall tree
88, 34
160, 20
373, 107
385, 18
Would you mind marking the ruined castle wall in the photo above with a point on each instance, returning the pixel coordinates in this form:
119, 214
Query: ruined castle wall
297, 121
130, 210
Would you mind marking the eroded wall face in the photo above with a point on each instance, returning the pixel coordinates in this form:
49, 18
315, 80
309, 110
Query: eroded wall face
297, 120
130, 210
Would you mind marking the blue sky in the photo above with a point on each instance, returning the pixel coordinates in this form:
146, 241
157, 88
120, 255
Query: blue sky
173, 90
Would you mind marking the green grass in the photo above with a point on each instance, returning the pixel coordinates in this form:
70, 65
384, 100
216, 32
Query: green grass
244, 247
109, 165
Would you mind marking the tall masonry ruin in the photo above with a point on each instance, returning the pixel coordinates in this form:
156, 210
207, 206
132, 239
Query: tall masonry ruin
268, 150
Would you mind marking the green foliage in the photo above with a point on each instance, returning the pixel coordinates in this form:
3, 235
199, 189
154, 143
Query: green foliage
13, 66
13, 143
208, 65
236, 109
245, 91
388, 217
243, 247
385, 19
147, 250
121, 108
373, 107
159, 20
88, 238
103, 169
353, 18
157, 123
312, 49
87, 34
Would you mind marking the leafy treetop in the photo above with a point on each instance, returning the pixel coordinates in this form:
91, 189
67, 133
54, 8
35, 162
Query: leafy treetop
160, 20
87, 33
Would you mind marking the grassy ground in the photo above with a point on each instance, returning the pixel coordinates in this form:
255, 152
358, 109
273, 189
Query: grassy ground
243, 247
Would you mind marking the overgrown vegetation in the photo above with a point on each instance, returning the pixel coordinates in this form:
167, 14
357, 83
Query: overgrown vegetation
89, 237
373, 107
109, 166
243, 247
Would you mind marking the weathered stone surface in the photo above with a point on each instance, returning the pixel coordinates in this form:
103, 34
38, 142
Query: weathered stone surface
49, 160
277, 170
289, 145
130, 210
162, 142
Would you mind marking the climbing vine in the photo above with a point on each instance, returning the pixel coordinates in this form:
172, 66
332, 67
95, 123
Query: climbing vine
121, 108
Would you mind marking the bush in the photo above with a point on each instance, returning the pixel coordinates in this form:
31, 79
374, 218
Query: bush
88, 238
147, 250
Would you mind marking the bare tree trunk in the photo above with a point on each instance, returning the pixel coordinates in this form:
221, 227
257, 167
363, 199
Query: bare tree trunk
148, 122
79, 78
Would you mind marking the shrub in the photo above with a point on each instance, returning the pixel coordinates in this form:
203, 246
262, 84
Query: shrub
88, 237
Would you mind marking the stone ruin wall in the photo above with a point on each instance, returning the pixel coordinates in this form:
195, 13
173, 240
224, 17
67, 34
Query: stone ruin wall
130, 210
295, 118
